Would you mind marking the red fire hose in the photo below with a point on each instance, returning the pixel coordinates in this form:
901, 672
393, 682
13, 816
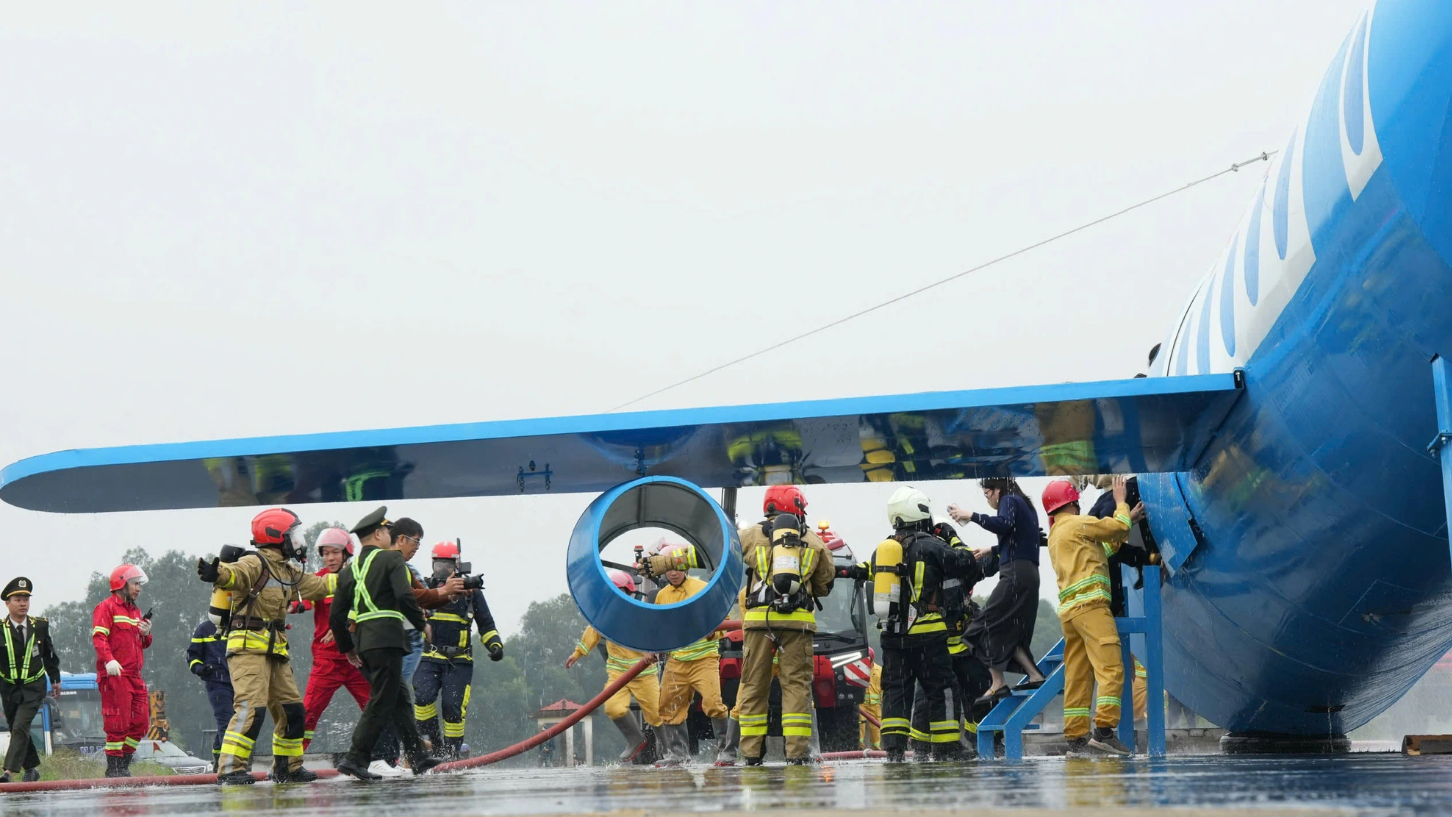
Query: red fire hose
131, 782
868, 716
569, 721
859, 754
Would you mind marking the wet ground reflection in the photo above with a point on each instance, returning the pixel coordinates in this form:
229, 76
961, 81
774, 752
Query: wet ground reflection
1363, 783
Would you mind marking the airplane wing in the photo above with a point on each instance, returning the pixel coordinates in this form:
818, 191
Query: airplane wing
1119, 426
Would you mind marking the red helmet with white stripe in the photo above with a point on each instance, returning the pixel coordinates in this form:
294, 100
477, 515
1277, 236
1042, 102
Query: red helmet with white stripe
126, 573
446, 550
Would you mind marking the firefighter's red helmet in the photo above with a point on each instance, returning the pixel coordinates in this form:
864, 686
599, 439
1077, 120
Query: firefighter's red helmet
622, 580
1059, 493
335, 538
446, 550
125, 573
271, 526
784, 499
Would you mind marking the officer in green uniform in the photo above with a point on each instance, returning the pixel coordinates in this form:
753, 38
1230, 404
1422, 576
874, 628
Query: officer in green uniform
29, 657
375, 593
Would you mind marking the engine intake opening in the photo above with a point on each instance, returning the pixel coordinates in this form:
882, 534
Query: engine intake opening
656, 502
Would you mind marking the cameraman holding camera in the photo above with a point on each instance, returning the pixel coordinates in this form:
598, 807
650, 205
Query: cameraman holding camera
448, 659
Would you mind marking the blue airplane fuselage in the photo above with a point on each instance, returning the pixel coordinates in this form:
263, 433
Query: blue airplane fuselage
1309, 548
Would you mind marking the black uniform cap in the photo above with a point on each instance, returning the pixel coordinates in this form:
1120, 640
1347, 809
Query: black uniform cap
18, 586
371, 522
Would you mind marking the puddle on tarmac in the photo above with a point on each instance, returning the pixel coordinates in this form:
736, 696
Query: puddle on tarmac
1359, 783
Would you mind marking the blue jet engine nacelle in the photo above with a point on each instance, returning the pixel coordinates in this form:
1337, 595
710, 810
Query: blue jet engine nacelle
654, 502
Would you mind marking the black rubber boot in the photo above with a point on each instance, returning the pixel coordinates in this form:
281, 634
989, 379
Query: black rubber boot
237, 778
422, 763
456, 749
282, 774
115, 766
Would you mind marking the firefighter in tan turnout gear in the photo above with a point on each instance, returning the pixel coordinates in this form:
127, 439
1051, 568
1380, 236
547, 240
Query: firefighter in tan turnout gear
787, 570
262, 584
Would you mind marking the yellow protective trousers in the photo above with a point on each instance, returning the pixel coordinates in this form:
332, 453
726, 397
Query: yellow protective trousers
262, 683
682, 680
645, 688
1141, 691
793, 649
1091, 654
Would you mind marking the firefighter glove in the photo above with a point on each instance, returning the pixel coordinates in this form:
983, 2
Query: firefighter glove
207, 571
496, 651
113, 668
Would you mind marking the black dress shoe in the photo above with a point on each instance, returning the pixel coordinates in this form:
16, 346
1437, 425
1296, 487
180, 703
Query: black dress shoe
32, 775
360, 771
423, 764
991, 698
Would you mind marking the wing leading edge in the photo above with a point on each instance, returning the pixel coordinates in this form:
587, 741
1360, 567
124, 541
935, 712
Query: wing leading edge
1125, 426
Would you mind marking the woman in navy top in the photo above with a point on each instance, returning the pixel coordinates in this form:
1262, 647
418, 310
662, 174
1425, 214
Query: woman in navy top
1001, 634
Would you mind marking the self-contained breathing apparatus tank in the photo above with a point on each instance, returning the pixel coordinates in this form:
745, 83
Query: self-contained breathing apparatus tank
887, 585
219, 609
781, 580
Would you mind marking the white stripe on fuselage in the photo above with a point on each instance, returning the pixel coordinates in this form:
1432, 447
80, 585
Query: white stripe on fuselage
1278, 279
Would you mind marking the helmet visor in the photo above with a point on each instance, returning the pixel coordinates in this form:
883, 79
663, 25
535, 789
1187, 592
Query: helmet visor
137, 575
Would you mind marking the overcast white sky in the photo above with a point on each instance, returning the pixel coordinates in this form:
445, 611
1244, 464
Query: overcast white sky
221, 220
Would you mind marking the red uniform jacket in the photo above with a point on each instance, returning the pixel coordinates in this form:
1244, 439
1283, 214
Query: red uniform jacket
115, 634
321, 608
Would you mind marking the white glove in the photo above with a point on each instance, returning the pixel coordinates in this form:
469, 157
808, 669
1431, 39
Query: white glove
144, 626
113, 667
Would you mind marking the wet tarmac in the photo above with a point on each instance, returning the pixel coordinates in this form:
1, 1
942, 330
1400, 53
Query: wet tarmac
1349, 784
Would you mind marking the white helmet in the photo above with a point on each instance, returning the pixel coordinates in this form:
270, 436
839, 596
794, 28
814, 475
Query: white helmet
907, 506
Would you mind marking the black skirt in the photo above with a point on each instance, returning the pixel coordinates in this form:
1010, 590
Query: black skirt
1007, 620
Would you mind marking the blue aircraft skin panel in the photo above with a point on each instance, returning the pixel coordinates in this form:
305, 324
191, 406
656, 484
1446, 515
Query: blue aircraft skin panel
1317, 590
1143, 425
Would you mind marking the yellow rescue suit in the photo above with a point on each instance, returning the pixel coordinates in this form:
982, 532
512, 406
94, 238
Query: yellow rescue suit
1079, 549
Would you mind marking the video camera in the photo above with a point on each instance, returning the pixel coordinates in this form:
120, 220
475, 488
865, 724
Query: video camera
464, 570
471, 581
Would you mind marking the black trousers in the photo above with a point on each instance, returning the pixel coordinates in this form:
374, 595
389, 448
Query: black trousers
442, 688
22, 703
389, 702
903, 668
970, 679
220, 697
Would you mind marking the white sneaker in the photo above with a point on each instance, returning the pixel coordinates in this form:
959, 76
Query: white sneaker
381, 768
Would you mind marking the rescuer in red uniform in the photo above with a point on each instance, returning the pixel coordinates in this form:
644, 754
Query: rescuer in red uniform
331, 670
119, 634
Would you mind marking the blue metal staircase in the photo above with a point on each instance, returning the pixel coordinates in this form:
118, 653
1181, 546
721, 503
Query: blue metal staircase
1013, 715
